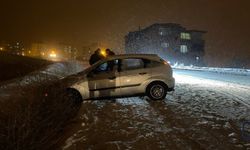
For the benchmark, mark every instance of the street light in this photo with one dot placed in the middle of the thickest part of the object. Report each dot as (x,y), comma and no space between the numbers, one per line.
(103,52)
(53,54)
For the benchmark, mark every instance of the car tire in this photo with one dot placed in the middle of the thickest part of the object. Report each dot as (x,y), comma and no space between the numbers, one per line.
(156,91)
(74,96)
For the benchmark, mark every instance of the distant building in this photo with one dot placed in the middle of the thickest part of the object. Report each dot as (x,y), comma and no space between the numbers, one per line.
(16,48)
(87,51)
(38,49)
(170,41)
(4,46)
(59,51)
(67,51)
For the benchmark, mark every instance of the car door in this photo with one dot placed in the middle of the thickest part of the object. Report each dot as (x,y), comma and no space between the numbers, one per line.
(132,74)
(103,81)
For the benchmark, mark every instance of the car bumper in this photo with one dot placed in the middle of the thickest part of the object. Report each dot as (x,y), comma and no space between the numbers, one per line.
(171,89)
(171,84)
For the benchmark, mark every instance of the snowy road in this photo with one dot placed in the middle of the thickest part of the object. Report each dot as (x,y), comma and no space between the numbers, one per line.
(205,112)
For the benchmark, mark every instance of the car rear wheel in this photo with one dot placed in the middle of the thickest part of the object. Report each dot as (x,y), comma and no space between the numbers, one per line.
(156,91)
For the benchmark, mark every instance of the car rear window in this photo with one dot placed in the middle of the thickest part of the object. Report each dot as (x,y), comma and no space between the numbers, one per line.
(132,64)
(151,63)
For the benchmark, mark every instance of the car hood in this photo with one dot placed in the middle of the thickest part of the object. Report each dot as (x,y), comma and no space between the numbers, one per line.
(75,78)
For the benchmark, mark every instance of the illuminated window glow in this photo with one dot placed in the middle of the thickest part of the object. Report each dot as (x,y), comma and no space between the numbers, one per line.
(184,49)
(185,36)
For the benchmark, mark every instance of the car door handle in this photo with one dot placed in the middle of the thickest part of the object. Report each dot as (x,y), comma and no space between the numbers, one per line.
(142,73)
(112,78)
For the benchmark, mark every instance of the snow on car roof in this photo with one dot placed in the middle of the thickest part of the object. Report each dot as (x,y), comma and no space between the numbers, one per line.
(122,56)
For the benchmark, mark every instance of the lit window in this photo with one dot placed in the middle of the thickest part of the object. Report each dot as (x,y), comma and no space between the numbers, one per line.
(165,44)
(185,36)
(184,49)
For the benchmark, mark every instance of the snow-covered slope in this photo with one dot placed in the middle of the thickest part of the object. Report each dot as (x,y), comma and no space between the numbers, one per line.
(50,73)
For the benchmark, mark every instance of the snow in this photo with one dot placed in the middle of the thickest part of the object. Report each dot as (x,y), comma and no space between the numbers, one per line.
(232,86)
(236,71)
(207,109)
(50,73)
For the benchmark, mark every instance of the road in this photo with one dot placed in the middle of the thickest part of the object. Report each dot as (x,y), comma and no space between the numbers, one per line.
(205,112)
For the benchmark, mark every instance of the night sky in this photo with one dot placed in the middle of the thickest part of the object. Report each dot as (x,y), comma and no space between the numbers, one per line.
(82,22)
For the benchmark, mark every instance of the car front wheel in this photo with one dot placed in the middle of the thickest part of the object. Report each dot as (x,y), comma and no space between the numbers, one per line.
(156,91)
(74,96)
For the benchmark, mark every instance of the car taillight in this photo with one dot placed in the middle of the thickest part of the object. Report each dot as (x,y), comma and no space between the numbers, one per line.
(165,62)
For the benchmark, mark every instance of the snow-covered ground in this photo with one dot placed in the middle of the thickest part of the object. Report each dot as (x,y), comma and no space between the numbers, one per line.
(205,112)
(228,84)
(53,72)
(235,71)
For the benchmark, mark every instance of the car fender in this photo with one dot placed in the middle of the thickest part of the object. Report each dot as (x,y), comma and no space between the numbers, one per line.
(82,88)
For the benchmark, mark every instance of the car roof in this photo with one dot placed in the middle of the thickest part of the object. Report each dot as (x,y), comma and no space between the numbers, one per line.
(124,56)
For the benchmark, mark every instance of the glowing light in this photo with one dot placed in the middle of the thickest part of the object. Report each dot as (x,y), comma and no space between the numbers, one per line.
(43,53)
(1,48)
(166,62)
(185,36)
(23,54)
(103,52)
(53,54)
(128,80)
(184,49)
(29,52)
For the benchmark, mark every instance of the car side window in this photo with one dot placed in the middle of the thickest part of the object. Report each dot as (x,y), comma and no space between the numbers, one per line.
(151,63)
(101,68)
(147,63)
(106,67)
(132,64)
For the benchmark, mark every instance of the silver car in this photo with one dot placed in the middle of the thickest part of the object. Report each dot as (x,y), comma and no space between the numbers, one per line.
(124,76)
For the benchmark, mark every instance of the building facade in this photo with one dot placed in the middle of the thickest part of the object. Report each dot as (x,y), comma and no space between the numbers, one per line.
(87,51)
(15,48)
(170,41)
(58,52)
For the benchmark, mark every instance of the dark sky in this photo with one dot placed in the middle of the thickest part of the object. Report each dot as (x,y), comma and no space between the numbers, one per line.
(107,21)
